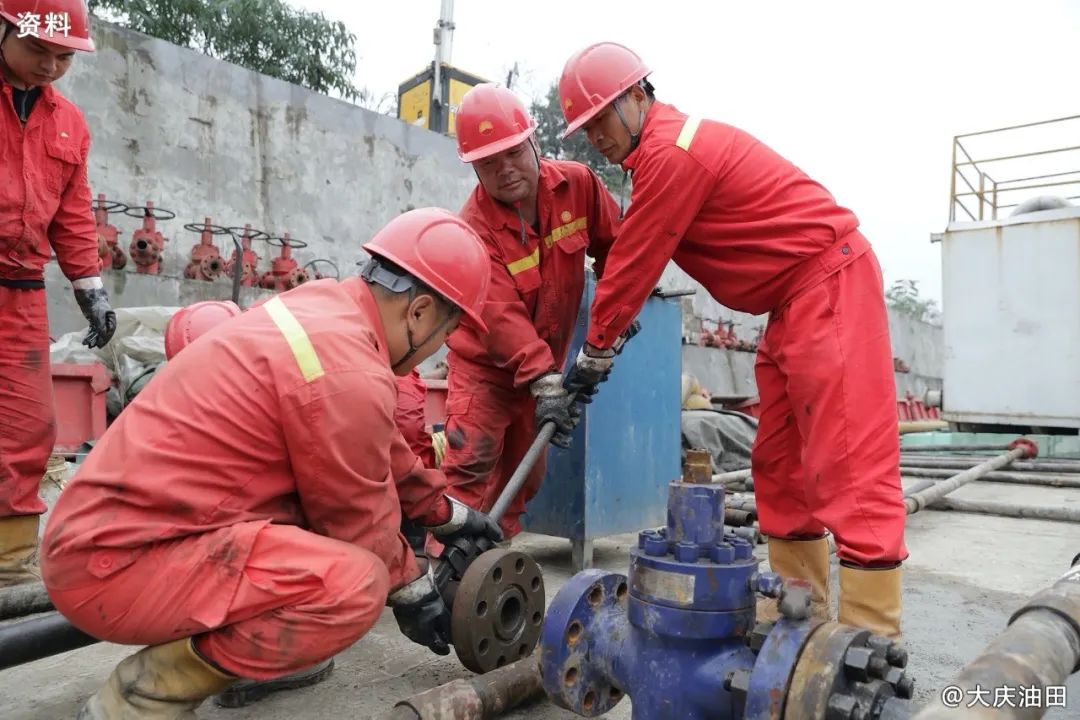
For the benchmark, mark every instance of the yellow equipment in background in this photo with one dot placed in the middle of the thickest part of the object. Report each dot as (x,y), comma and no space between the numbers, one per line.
(416,103)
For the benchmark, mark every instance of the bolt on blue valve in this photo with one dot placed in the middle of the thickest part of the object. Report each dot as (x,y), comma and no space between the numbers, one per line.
(769,584)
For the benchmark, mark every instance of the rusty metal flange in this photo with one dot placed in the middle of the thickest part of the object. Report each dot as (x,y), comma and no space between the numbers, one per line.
(498,610)
(846,673)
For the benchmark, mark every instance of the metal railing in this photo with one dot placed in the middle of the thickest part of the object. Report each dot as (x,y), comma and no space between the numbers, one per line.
(1013,172)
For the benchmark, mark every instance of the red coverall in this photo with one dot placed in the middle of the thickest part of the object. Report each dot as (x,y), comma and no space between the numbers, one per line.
(411,418)
(44,206)
(762,237)
(269,528)
(531,311)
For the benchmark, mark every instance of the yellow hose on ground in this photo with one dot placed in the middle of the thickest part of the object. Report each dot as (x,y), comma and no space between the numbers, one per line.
(438,442)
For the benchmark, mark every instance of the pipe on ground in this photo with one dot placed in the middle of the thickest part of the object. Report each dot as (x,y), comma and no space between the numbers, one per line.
(918,426)
(1040,648)
(917,501)
(1059,514)
(962,463)
(26,599)
(477,698)
(734,476)
(974,447)
(739,517)
(39,637)
(1016,478)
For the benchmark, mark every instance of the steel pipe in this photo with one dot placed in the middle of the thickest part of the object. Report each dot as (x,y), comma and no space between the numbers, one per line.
(1058,514)
(953,448)
(1039,649)
(26,599)
(736,475)
(476,698)
(739,518)
(917,501)
(39,637)
(960,463)
(1017,478)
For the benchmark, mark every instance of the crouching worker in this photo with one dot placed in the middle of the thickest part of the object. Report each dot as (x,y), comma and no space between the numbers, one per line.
(241,517)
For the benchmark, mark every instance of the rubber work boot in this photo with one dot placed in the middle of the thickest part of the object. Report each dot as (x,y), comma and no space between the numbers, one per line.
(160,682)
(871,599)
(803,560)
(246,692)
(18,550)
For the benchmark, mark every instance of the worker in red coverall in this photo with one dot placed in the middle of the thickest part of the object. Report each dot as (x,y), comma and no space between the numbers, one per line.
(44,207)
(244,523)
(762,237)
(190,323)
(538,219)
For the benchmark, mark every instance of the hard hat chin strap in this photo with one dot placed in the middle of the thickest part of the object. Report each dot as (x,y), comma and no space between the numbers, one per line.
(413,346)
(375,272)
(635,138)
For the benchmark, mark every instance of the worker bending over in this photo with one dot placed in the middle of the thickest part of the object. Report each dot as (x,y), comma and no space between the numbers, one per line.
(244,522)
(762,237)
(45,207)
(538,218)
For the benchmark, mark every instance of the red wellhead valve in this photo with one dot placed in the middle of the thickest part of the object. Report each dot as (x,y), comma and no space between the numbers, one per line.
(147,244)
(107,233)
(285,273)
(206,261)
(318,275)
(250,263)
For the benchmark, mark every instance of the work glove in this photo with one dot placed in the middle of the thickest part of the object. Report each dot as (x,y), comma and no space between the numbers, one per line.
(593,365)
(94,303)
(422,615)
(466,523)
(555,404)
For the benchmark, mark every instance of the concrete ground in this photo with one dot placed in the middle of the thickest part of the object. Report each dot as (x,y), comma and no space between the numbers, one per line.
(966,575)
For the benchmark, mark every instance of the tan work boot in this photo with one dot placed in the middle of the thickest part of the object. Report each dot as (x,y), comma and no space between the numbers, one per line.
(160,682)
(803,560)
(871,599)
(18,550)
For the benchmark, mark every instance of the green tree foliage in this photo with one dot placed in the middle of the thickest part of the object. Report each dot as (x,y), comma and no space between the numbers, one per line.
(266,36)
(550,125)
(904,297)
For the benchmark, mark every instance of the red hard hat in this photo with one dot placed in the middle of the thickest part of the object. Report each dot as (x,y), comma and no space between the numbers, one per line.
(490,119)
(442,251)
(77,15)
(593,78)
(192,321)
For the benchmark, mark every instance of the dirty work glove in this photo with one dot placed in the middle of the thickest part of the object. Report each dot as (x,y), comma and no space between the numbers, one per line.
(422,615)
(94,303)
(620,342)
(591,368)
(466,523)
(554,404)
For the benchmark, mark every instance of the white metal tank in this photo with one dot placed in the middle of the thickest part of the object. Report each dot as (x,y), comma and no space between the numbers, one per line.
(1011,296)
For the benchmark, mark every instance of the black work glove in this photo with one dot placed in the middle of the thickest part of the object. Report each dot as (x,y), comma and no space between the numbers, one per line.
(421,614)
(555,404)
(466,523)
(94,303)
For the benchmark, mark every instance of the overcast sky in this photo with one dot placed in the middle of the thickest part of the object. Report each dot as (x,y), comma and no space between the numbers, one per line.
(864,96)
